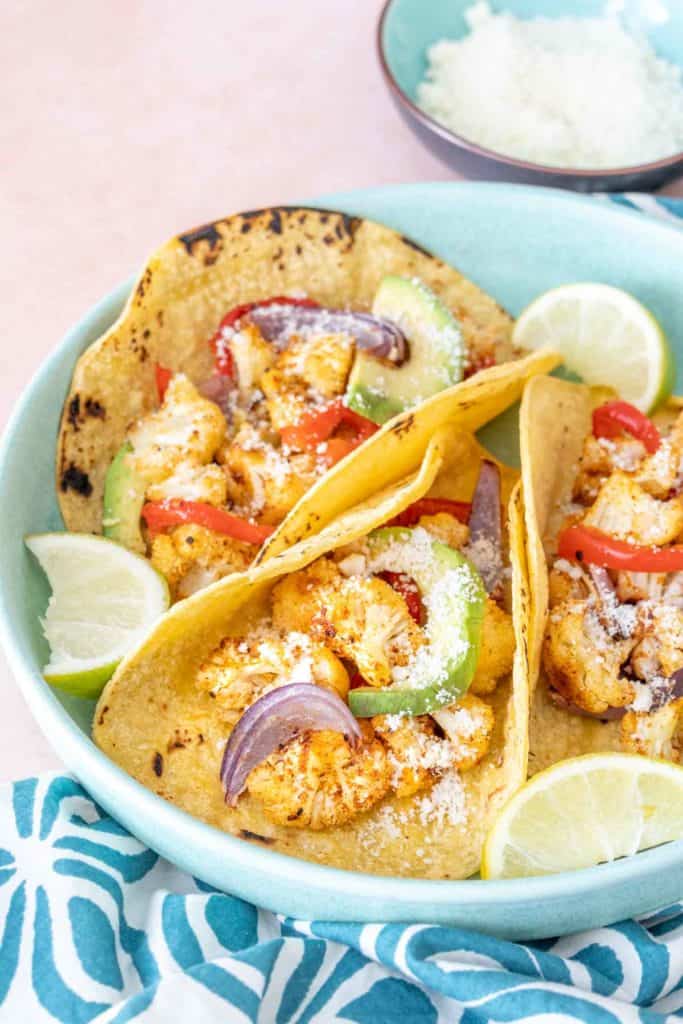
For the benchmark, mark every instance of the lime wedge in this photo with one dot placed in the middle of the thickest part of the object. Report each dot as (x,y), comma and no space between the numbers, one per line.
(605,336)
(104,600)
(585,811)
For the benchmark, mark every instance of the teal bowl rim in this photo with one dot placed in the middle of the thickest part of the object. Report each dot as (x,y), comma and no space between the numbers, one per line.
(75,747)
(461,142)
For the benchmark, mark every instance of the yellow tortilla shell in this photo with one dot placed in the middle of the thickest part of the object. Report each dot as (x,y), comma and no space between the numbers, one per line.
(155,725)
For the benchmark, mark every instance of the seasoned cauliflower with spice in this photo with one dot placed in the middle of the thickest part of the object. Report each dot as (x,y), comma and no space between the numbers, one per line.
(191,557)
(263,482)
(626,511)
(318,780)
(447,529)
(361,619)
(193,483)
(240,670)
(654,734)
(187,428)
(497,649)
(583,662)
(468,725)
(418,756)
(600,457)
(252,355)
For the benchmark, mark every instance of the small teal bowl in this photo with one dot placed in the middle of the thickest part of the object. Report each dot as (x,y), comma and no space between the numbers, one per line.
(406,30)
(515,242)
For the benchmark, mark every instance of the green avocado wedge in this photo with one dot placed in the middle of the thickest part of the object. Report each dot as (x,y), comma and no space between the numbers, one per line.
(455,600)
(437,352)
(124,495)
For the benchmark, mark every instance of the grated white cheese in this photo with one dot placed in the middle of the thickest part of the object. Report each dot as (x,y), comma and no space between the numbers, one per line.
(569,92)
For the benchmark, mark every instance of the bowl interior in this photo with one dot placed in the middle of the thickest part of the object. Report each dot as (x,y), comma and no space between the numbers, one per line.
(411,26)
(513,241)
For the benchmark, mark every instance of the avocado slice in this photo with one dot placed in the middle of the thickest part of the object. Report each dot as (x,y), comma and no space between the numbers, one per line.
(452,589)
(437,352)
(124,495)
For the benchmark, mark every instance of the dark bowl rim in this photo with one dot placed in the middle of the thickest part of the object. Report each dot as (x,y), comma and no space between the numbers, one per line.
(490,154)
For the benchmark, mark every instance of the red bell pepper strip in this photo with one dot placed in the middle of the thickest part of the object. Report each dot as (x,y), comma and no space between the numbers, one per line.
(586,544)
(163,379)
(613,418)
(431,507)
(409,591)
(159,515)
(224,362)
(317,426)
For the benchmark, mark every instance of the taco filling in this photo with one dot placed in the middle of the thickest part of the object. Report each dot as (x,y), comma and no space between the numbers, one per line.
(203,480)
(613,646)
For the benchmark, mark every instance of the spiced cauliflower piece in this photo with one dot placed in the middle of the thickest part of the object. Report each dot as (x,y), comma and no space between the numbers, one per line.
(263,481)
(656,733)
(566,580)
(308,372)
(252,355)
(240,670)
(582,661)
(659,651)
(447,529)
(186,429)
(625,511)
(362,620)
(599,459)
(661,472)
(192,483)
(191,557)
(326,363)
(468,725)
(319,780)
(418,756)
(497,649)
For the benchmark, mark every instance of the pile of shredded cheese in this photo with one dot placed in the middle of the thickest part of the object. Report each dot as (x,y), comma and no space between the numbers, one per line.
(568,92)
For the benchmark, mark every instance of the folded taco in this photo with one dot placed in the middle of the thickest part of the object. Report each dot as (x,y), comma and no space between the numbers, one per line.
(359,700)
(604,517)
(254,355)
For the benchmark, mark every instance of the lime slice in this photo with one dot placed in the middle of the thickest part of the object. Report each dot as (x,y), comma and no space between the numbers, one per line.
(104,600)
(585,811)
(605,336)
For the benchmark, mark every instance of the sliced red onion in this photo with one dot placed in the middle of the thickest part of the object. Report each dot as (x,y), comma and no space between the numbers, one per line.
(275,719)
(663,695)
(218,388)
(485,546)
(381,338)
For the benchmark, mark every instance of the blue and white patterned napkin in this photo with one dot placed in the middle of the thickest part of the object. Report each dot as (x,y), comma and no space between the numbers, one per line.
(96,927)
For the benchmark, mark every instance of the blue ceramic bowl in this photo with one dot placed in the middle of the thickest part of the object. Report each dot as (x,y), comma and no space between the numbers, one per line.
(515,242)
(406,30)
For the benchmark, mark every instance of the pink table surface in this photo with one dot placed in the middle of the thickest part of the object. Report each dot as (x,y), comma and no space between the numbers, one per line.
(126,122)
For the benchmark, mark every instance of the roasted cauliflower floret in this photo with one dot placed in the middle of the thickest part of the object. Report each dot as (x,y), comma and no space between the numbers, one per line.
(417,755)
(600,457)
(582,662)
(660,651)
(326,363)
(566,580)
(318,780)
(656,733)
(639,586)
(625,511)
(288,397)
(661,472)
(296,598)
(240,670)
(187,428)
(497,649)
(191,557)
(468,725)
(447,529)
(193,483)
(252,355)
(362,620)
(263,481)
